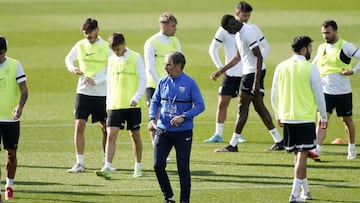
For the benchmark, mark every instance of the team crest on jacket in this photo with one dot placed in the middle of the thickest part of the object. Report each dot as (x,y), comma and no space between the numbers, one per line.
(181,89)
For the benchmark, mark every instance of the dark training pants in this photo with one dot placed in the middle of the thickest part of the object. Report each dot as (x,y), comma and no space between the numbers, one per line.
(163,144)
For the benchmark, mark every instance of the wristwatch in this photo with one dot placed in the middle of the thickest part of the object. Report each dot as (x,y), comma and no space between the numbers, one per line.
(183,116)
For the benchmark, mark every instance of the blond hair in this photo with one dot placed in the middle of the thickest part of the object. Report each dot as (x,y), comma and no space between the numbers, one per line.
(167,17)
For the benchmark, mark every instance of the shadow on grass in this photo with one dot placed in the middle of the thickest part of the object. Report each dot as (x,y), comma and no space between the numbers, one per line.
(55,200)
(42,183)
(62,195)
(336,201)
(37,183)
(213,177)
(231,164)
(42,166)
(87,170)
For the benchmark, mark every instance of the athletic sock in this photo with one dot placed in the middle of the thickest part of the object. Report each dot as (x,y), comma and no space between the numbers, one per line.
(219,128)
(305,185)
(351,146)
(137,165)
(296,187)
(107,165)
(317,150)
(9,183)
(275,135)
(80,159)
(234,139)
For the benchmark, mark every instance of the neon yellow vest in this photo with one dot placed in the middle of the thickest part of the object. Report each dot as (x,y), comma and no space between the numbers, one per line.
(296,101)
(9,93)
(329,63)
(92,58)
(122,82)
(161,51)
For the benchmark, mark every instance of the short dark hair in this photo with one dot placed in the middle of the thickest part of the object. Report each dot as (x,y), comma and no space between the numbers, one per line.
(225,20)
(330,23)
(177,58)
(90,24)
(116,39)
(3,43)
(300,42)
(244,7)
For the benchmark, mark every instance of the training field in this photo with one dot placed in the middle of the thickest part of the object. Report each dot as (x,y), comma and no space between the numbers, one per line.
(40,34)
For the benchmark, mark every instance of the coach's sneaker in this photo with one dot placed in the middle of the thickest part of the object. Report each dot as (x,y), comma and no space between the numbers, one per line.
(295,199)
(228,148)
(312,155)
(104,172)
(278,146)
(306,196)
(169,200)
(77,168)
(214,138)
(137,172)
(241,139)
(351,154)
(9,193)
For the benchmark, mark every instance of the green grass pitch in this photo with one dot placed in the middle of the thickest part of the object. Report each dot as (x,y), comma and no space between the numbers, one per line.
(41,32)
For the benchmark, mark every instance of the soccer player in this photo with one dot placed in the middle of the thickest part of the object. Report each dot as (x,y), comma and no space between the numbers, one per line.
(231,81)
(333,60)
(126,82)
(180,100)
(231,85)
(13,94)
(155,49)
(91,54)
(295,96)
(252,83)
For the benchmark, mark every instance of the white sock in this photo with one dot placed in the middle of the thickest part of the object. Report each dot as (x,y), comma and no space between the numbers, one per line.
(275,135)
(318,149)
(296,187)
(219,128)
(80,159)
(137,165)
(351,146)
(305,186)
(234,139)
(9,183)
(107,164)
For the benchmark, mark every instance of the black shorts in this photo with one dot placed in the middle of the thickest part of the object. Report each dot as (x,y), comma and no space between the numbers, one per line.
(299,136)
(248,81)
(94,105)
(149,93)
(117,118)
(9,134)
(230,86)
(342,104)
